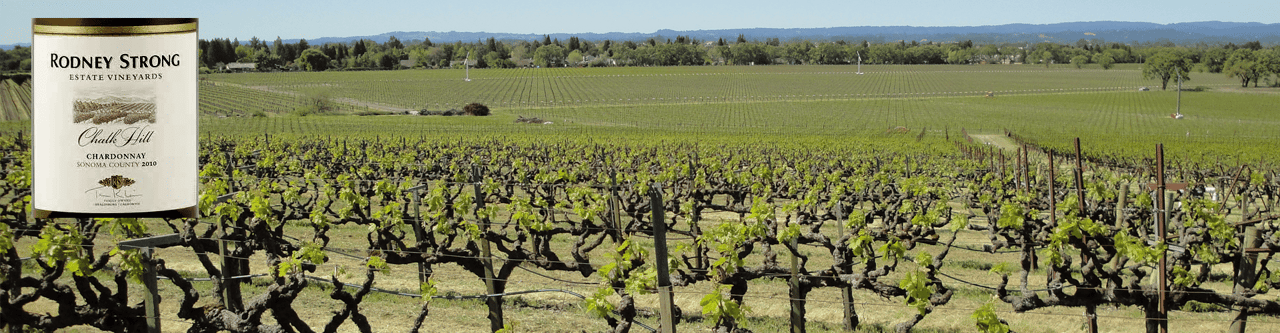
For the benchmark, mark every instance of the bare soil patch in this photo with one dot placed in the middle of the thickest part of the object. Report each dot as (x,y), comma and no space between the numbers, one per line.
(345,100)
(1250,90)
(1000,141)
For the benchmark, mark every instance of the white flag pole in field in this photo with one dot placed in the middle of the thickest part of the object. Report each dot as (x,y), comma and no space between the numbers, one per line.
(859,62)
(1178,115)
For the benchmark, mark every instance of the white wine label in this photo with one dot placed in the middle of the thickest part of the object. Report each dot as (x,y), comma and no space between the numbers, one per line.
(115,123)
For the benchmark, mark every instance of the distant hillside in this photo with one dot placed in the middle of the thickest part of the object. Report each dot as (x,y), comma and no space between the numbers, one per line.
(1111,31)
(10,46)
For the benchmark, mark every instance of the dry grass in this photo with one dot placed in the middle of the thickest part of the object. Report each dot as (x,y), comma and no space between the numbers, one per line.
(768,299)
(1250,90)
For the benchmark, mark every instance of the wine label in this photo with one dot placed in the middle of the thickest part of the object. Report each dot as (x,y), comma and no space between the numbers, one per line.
(115,121)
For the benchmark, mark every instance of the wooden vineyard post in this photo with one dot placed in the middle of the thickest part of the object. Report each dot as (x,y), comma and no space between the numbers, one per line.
(695,218)
(846,293)
(614,217)
(1245,275)
(991,159)
(1002,164)
(1121,200)
(1026,167)
(230,268)
(1019,172)
(1164,264)
(1162,217)
(1079,178)
(1053,214)
(666,316)
(419,233)
(151,297)
(494,302)
(906,167)
(231,171)
(231,299)
(797,295)
(1090,310)
(1040,167)
(1244,207)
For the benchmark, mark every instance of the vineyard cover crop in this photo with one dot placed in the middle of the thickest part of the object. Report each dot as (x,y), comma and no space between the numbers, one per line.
(1047,107)
(15,100)
(577,87)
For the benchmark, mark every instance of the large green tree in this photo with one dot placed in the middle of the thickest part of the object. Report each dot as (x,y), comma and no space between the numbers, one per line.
(268,61)
(1272,59)
(574,57)
(797,53)
(1045,57)
(749,54)
(989,51)
(387,60)
(1104,59)
(1079,60)
(1166,64)
(495,60)
(828,53)
(1214,59)
(1251,65)
(312,60)
(960,55)
(18,59)
(549,56)
(519,52)
(359,48)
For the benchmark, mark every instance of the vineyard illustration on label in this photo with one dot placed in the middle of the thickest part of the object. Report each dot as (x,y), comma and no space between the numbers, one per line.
(116,185)
(114,110)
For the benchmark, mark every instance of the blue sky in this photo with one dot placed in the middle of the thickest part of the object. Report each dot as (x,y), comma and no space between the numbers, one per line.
(327,18)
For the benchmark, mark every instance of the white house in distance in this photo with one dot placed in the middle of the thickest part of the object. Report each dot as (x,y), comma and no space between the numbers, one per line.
(240,66)
(458,63)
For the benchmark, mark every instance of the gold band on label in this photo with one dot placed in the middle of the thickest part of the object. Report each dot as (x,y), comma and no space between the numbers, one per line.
(116,30)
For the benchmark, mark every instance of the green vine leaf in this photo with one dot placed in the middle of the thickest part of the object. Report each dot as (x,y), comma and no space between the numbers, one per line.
(986,320)
(376,263)
(716,305)
(918,290)
(598,305)
(428,290)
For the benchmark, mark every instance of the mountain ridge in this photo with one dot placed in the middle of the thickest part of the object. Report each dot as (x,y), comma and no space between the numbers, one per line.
(1065,32)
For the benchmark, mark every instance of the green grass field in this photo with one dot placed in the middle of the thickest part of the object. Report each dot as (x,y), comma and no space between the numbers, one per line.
(579,87)
(1047,106)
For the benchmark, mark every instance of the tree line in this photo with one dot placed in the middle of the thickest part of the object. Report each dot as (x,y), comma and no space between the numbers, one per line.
(17,59)
(1249,62)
